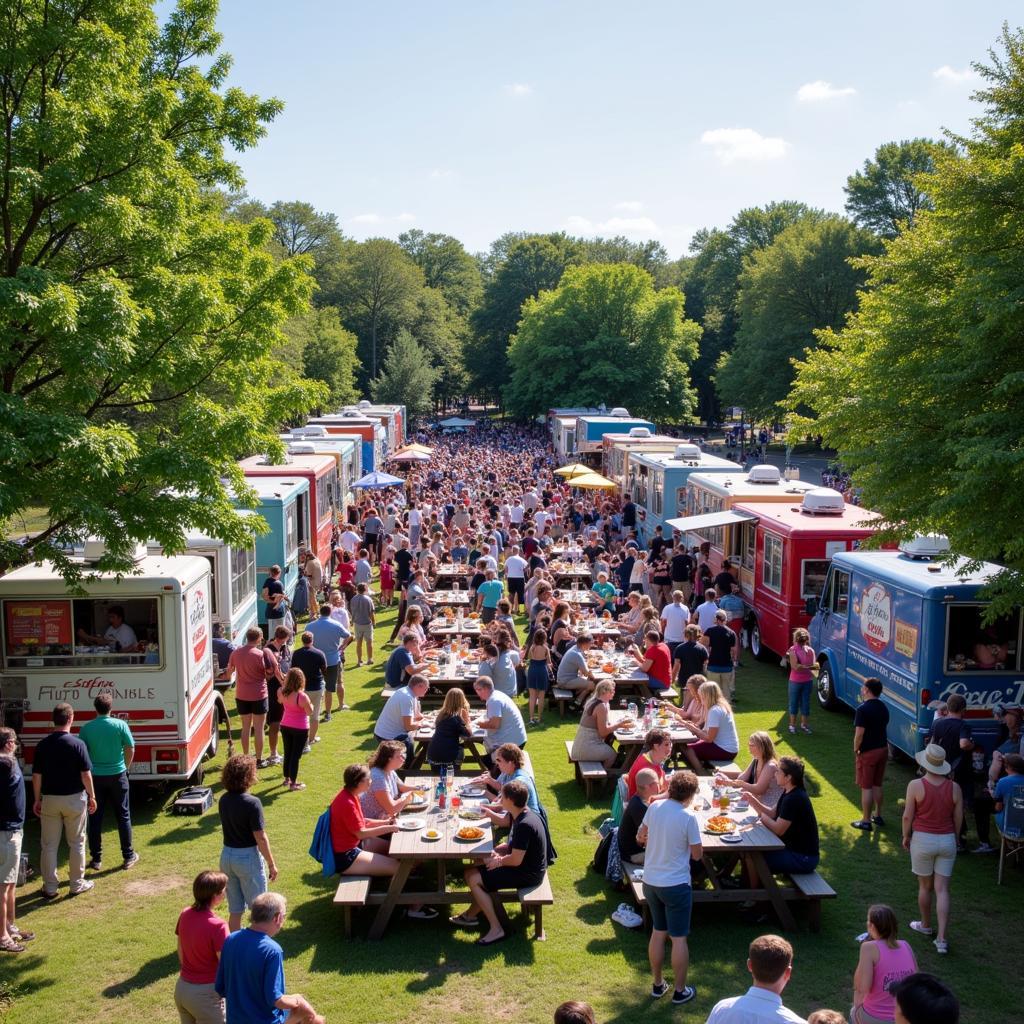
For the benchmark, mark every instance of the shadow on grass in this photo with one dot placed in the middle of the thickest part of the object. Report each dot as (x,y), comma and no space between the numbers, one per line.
(150,972)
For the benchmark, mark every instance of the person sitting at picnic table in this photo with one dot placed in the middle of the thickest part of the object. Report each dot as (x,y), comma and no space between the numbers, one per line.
(499,663)
(591,740)
(629,620)
(717,737)
(413,626)
(604,591)
(884,960)
(656,661)
(503,724)
(451,727)
(388,795)
(401,715)
(647,789)
(504,621)
(518,863)
(574,673)
(361,843)
(759,777)
(649,619)
(511,764)
(792,819)
(657,749)
(692,709)
(560,633)
(402,663)
(690,658)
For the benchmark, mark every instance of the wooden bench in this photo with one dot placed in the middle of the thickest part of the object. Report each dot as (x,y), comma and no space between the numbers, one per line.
(352,892)
(532,900)
(563,698)
(725,767)
(813,888)
(587,772)
(528,764)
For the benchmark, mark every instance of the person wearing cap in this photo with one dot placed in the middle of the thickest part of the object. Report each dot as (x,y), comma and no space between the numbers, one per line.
(932,817)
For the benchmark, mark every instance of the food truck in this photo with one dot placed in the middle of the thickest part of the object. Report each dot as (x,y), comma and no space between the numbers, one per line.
(143,637)
(781,553)
(372,433)
(284,504)
(915,620)
(657,481)
(392,418)
(710,497)
(562,423)
(591,428)
(347,449)
(321,473)
(616,450)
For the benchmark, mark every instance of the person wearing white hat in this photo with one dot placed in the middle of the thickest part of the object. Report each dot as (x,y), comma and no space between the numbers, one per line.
(931,822)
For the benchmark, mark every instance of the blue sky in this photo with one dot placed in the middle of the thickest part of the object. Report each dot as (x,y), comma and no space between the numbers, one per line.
(649,119)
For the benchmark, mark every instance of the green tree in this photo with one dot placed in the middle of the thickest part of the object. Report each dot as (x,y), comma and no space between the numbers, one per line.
(443,335)
(604,331)
(650,255)
(521,269)
(322,350)
(446,266)
(801,283)
(407,377)
(922,391)
(133,318)
(886,195)
(378,292)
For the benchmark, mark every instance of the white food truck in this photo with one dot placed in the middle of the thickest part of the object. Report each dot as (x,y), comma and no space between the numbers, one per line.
(145,638)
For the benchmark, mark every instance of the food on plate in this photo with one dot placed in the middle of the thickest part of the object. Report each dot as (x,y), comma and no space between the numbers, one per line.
(720,824)
(470,832)
(472,814)
(432,833)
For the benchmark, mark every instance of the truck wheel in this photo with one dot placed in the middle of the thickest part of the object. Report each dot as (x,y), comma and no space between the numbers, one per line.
(826,688)
(220,717)
(196,778)
(757,648)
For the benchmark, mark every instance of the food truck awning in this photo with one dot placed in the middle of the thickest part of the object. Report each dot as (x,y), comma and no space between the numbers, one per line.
(710,520)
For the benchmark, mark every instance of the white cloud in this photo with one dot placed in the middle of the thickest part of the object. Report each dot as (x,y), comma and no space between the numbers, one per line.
(731,145)
(613,226)
(366,218)
(951,76)
(630,206)
(518,90)
(406,218)
(819,91)
(577,223)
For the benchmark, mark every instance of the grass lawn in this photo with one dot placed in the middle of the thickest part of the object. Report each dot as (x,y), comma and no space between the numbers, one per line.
(110,955)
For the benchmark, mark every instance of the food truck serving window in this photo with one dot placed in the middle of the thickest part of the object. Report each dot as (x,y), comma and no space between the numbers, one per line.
(972,646)
(771,573)
(243,575)
(325,488)
(812,576)
(84,633)
(657,492)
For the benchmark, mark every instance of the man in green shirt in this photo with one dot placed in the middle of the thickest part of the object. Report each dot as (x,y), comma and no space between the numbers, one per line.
(111,748)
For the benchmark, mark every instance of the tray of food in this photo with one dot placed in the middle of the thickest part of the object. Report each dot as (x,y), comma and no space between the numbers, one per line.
(470,834)
(719,825)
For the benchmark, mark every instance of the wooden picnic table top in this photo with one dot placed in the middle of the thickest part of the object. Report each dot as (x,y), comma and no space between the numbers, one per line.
(579,598)
(455,598)
(453,569)
(635,737)
(469,627)
(413,846)
(754,837)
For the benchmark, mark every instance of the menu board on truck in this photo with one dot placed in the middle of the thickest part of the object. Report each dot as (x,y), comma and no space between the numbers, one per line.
(37,624)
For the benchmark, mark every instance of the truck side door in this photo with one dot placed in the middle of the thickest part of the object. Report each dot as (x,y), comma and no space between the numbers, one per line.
(833,620)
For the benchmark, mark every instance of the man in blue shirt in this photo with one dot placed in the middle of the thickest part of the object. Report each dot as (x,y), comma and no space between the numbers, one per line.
(402,664)
(250,975)
(331,637)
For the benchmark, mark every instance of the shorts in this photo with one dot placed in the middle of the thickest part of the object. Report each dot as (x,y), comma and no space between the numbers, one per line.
(487,615)
(495,879)
(247,876)
(517,587)
(198,1003)
(932,854)
(363,632)
(331,674)
(316,698)
(871,767)
(343,861)
(670,907)
(10,856)
(253,707)
(800,699)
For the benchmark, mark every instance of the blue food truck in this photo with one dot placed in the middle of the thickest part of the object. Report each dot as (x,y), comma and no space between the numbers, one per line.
(914,620)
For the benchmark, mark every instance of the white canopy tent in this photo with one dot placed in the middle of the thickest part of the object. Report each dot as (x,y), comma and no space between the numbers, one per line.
(456,423)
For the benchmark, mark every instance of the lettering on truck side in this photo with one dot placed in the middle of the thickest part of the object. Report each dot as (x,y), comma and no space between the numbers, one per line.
(87,689)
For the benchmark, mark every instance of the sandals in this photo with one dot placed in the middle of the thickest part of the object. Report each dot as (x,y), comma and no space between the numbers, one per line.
(11,947)
(461,921)
(296,786)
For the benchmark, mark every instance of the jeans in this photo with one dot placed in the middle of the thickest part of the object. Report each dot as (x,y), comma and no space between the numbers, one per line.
(402,738)
(800,699)
(67,814)
(111,791)
(789,862)
(247,875)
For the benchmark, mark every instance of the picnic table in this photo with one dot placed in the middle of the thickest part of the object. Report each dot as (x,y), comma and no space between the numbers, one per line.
(474,747)
(453,598)
(569,572)
(453,571)
(577,598)
(629,743)
(451,628)
(627,675)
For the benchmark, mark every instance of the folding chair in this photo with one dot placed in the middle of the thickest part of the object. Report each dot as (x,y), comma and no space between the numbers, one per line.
(1011,835)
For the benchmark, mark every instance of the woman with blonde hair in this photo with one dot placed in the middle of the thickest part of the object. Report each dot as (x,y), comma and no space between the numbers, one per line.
(413,624)
(717,738)
(590,742)
(451,728)
(294,725)
(758,778)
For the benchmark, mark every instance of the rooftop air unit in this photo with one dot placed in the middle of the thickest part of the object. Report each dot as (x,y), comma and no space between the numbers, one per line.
(639,432)
(620,413)
(822,501)
(95,548)
(764,474)
(364,404)
(302,448)
(926,546)
(688,453)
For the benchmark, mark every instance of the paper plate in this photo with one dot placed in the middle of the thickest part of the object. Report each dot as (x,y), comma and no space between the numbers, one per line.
(472,791)
(411,824)
(731,837)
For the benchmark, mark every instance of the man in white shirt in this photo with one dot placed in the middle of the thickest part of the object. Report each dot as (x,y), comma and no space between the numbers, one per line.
(515,578)
(670,834)
(540,522)
(516,515)
(770,963)
(487,558)
(118,633)
(707,611)
(401,715)
(674,619)
(350,540)
(415,521)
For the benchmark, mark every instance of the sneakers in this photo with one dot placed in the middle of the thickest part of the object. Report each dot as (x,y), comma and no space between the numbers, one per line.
(327,716)
(941,946)
(423,914)
(685,995)
(657,991)
(94,865)
(131,861)
(316,739)
(792,729)
(984,848)
(864,826)
(878,821)
(263,762)
(306,749)
(625,915)
(276,759)
(49,895)
(917,926)
(806,729)
(84,887)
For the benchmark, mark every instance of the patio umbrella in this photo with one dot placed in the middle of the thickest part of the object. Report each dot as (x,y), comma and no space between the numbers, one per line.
(407,456)
(376,481)
(573,469)
(591,481)
(414,447)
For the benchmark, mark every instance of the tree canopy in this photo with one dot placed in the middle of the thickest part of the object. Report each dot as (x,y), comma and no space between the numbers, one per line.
(133,317)
(407,377)
(604,332)
(922,391)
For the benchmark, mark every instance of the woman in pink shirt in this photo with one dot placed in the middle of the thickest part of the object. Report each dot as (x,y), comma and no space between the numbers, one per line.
(294,725)
(884,960)
(201,934)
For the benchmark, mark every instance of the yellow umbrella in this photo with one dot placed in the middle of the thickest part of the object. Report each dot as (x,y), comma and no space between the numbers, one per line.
(573,469)
(591,481)
(421,448)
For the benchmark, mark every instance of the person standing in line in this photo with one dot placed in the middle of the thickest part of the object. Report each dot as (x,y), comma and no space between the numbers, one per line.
(364,619)
(281,648)
(722,644)
(871,752)
(12,832)
(932,817)
(294,725)
(515,578)
(201,936)
(222,651)
(331,637)
(954,735)
(252,666)
(111,748)
(62,788)
(705,612)
(770,962)
(801,658)
(675,617)
(670,835)
(313,664)
(250,975)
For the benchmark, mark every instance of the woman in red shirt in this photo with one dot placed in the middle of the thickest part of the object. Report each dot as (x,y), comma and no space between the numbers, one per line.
(201,934)
(656,661)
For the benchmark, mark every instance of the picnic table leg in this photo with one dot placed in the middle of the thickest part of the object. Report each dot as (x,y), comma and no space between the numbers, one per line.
(385,910)
(773,892)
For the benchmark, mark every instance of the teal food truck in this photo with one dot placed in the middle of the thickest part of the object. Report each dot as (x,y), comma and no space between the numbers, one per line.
(914,620)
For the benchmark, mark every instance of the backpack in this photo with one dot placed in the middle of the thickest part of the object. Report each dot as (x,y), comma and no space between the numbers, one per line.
(600,861)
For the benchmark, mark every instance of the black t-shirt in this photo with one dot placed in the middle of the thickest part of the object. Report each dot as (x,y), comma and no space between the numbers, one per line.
(802,834)
(872,716)
(528,834)
(629,514)
(692,658)
(444,747)
(403,564)
(632,819)
(478,578)
(656,544)
(948,732)
(60,759)
(660,572)
(273,587)
(682,568)
(537,562)
(591,551)
(12,795)
(312,661)
(241,814)
(721,641)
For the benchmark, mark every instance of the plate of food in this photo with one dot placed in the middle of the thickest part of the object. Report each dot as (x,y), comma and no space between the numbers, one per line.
(472,814)
(431,835)
(471,792)
(411,824)
(470,834)
(719,825)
